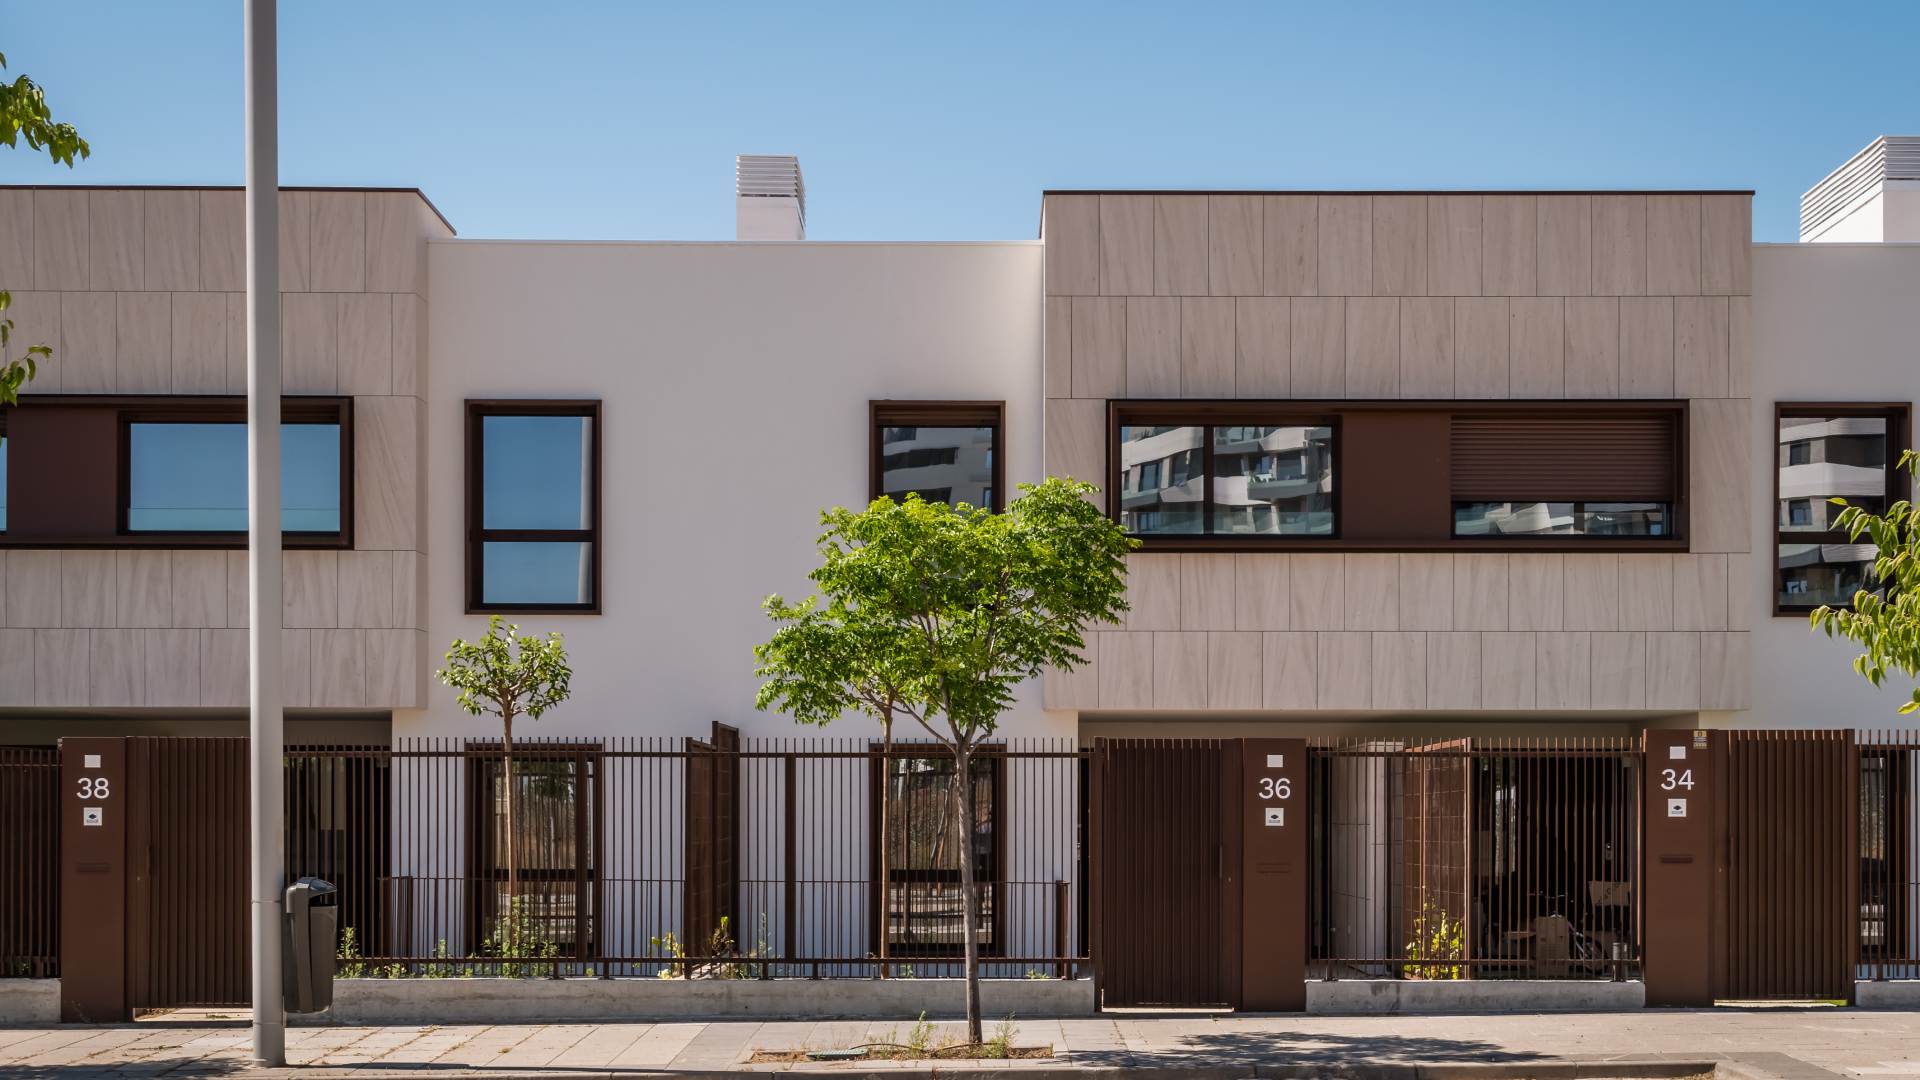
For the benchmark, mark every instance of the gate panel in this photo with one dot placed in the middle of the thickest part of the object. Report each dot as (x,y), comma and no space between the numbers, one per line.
(1161,864)
(187,856)
(29,862)
(1792,865)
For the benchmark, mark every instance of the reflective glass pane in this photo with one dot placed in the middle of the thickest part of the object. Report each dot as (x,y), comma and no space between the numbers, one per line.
(1827,457)
(1513,519)
(1162,489)
(536,572)
(1272,481)
(538,472)
(1562,519)
(1809,575)
(193,478)
(940,464)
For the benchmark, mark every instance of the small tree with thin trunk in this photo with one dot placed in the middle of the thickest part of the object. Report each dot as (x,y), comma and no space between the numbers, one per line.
(508,675)
(1885,620)
(965,605)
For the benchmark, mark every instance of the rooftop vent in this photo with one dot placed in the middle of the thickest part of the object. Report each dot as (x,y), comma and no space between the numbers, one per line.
(770,199)
(1841,207)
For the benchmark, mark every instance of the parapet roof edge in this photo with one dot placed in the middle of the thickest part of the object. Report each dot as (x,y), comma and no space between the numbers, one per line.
(237,187)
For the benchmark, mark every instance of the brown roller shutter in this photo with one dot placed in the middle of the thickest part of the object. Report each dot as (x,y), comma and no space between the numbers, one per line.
(1620,457)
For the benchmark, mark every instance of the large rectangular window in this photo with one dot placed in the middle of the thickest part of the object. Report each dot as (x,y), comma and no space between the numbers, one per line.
(1824,452)
(919,903)
(190,476)
(942,451)
(533,506)
(1260,476)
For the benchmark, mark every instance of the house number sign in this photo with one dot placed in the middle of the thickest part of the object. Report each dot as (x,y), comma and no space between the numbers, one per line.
(93,789)
(1270,789)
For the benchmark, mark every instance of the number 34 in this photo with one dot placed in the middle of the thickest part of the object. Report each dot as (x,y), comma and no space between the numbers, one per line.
(1276,787)
(1670,780)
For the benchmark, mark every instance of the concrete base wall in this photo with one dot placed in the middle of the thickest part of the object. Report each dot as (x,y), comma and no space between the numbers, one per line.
(461,1001)
(29,1002)
(1887,994)
(1473,996)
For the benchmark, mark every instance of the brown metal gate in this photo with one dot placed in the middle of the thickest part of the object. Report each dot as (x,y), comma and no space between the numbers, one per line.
(711,893)
(1166,848)
(1790,881)
(186,872)
(29,862)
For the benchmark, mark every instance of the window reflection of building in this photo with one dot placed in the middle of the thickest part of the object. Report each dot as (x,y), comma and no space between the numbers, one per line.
(1820,458)
(1266,480)
(940,464)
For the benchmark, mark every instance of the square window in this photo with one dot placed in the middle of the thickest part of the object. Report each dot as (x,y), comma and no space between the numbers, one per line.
(942,451)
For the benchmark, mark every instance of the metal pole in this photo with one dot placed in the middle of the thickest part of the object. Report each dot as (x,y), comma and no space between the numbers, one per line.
(263,525)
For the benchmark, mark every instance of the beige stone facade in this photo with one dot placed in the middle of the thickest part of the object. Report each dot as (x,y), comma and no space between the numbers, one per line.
(141,291)
(1413,296)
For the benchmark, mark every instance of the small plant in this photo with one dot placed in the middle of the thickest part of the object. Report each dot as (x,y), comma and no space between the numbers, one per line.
(518,941)
(1436,936)
(720,943)
(1037,973)
(349,965)
(920,1039)
(1001,1045)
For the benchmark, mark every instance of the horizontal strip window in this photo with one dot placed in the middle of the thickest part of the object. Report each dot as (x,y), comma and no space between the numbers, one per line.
(1822,452)
(1398,475)
(942,451)
(533,506)
(169,472)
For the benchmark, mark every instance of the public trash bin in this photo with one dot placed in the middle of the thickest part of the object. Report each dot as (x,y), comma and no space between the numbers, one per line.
(309,925)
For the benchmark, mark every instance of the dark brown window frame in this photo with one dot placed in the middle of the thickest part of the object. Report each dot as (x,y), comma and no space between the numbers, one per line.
(129,409)
(888,412)
(476,536)
(589,827)
(994,877)
(1335,412)
(1899,417)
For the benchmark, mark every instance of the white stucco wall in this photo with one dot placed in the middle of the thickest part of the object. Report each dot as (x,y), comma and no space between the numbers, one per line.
(1832,322)
(734,380)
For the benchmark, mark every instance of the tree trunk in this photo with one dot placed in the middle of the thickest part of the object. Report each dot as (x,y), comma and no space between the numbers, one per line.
(886,827)
(513,855)
(969,900)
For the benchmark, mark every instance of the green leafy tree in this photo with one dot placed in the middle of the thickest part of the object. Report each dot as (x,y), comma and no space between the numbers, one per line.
(961,606)
(1885,622)
(834,657)
(24,116)
(508,675)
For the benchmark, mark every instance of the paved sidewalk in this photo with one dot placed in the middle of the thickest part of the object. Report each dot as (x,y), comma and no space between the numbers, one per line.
(1797,1044)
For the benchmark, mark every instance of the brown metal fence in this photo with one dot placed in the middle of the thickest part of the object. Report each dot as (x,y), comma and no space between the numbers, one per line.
(724,858)
(1889,855)
(1482,858)
(29,862)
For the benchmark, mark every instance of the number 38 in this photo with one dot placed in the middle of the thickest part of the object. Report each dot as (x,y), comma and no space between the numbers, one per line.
(1276,787)
(93,787)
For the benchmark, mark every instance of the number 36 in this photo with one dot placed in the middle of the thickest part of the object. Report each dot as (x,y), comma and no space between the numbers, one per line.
(1272,787)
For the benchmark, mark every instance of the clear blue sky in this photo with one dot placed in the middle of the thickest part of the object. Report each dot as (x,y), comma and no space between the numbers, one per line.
(563,119)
